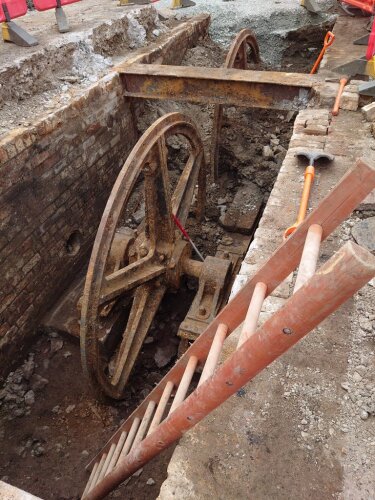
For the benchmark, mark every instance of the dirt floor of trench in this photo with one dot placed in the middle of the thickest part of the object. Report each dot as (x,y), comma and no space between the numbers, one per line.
(50,424)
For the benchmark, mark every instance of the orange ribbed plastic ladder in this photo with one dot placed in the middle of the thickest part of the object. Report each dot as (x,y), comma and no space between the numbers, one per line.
(152,427)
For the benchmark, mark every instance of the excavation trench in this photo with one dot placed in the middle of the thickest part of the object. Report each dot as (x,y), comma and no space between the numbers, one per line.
(51,424)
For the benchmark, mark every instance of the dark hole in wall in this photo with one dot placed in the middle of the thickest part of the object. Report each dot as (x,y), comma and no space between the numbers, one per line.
(73,243)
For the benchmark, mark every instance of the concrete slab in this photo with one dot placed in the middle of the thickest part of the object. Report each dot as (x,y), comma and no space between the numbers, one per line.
(9,492)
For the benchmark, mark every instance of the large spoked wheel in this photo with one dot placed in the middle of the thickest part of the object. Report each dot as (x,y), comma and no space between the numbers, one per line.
(131,265)
(244,48)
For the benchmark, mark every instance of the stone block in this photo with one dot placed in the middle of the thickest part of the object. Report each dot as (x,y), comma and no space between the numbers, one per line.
(349,101)
(368,203)
(242,218)
(327,94)
(313,128)
(364,233)
(369,111)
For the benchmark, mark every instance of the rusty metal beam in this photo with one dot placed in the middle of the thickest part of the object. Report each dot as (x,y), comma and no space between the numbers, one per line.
(260,89)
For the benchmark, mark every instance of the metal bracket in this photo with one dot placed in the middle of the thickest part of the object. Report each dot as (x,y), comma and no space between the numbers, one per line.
(13,33)
(62,21)
(347,9)
(182,4)
(367,88)
(355,67)
(363,40)
(358,67)
(213,281)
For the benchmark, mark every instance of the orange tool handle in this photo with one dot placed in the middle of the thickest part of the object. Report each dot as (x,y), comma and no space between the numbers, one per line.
(309,177)
(328,41)
(336,107)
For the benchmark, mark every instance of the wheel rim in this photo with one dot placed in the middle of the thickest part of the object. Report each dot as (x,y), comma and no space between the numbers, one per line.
(145,278)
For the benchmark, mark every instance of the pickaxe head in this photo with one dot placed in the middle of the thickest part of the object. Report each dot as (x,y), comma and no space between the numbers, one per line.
(313,156)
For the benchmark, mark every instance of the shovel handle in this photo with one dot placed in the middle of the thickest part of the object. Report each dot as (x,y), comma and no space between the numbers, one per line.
(336,107)
(328,41)
(309,177)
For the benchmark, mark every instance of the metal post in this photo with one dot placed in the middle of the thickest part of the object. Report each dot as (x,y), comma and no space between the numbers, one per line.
(344,274)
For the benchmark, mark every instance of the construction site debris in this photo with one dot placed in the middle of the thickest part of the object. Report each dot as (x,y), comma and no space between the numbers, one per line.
(368,203)
(369,111)
(364,233)
(244,210)
(17,394)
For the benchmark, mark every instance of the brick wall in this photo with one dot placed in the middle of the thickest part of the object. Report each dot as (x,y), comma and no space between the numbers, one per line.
(55,179)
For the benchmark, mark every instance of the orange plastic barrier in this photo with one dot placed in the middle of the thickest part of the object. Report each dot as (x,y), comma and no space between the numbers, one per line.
(15,8)
(51,4)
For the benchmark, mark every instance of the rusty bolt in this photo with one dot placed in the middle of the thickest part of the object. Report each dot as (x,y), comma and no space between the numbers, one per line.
(226,255)
(202,311)
(287,331)
(143,251)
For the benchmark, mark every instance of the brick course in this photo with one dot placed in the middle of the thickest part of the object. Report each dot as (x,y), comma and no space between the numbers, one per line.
(55,180)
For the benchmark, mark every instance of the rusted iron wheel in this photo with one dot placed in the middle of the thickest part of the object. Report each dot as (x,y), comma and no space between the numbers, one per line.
(244,48)
(131,268)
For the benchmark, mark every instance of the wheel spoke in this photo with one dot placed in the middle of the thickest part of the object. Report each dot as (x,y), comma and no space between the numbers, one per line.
(236,58)
(241,57)
(146,301)
(158,197)
(146,251)
(129,277)
(184,192)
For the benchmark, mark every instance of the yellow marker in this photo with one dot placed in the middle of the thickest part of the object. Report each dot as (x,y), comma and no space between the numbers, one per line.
(370,67)
(5,32)
(177,4)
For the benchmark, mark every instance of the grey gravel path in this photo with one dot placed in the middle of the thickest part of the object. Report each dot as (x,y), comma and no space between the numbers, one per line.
(271,20)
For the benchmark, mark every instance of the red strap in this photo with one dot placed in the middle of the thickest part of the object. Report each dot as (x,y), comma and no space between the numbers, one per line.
(181,227)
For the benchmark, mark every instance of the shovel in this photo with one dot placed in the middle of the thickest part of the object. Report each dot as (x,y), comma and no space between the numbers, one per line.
(312,157)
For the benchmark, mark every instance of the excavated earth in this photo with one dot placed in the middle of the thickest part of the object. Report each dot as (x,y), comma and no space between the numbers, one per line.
(50,423)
